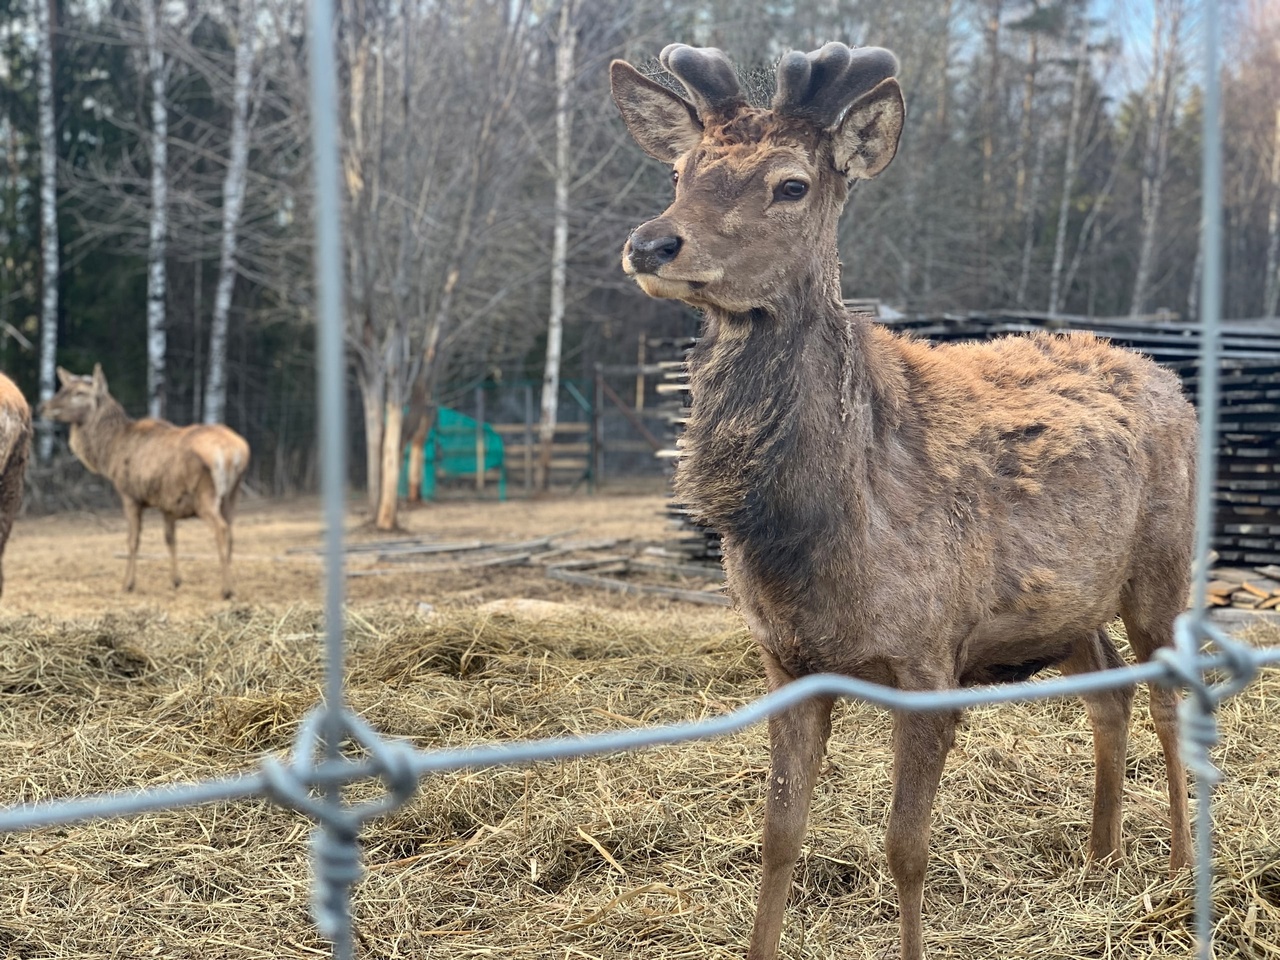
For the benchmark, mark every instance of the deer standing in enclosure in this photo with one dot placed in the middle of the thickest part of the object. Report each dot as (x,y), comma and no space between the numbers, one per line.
(15,449)
(918,516)
(181,471)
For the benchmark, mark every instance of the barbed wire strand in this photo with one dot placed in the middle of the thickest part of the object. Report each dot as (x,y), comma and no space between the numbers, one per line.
(313,779)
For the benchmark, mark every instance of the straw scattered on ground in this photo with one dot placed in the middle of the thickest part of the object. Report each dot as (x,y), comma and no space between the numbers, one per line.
(654,854)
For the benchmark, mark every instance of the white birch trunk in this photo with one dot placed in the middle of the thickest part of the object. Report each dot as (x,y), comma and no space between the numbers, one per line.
(1271,294)
(392,453)
(373,394)
(233,191)
(48,218)
(156,345)
(1156,155)
(559,244)
(1029,224)
(1024,126)
(1068,180)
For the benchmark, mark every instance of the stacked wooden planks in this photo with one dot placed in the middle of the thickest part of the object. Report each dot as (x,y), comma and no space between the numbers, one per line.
(1247,589)
(692,541)
(1247,484)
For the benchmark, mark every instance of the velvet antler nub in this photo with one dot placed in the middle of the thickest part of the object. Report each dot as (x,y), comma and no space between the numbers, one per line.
(821,85)
(707,75)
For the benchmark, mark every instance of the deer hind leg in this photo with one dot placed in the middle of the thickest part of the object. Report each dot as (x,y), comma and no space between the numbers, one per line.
(1109,713)
(132,514)
(171,541)
(222,534)
(921,742)
(797,742)
(1164,715)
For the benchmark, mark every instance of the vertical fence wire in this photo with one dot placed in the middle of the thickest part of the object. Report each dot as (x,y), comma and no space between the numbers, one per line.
(1206,467)
(334,914)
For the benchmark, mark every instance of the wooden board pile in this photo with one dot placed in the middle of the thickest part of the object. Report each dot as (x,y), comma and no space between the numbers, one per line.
(1247,485)
(609,563)
(1255,589)
(692,542)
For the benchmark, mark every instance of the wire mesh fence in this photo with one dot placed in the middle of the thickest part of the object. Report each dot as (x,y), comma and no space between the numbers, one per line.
(335,749)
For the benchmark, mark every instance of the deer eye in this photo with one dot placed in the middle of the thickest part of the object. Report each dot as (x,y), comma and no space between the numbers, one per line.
(790,190)
(675,177)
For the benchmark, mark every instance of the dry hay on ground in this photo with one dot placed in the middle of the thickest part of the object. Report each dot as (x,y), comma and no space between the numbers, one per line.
(655,852)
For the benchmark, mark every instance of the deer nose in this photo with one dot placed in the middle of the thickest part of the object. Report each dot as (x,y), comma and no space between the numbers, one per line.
(650,249)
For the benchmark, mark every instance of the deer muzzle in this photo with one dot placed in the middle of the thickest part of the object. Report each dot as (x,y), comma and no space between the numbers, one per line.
(650,247)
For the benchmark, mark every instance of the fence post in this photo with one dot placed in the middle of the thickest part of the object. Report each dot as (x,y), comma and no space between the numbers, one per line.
(528,440)
(597,429)
(640,374)
(479,439)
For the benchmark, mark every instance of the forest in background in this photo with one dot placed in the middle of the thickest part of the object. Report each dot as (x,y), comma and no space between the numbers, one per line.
(155,188)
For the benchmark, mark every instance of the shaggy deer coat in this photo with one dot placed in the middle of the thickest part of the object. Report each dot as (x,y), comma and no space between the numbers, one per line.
(181,471)
(15,449)
(920,516)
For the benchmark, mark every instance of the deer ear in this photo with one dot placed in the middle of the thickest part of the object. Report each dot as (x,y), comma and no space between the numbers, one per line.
(663,123)
(867,138)
(99,379)
(64,376)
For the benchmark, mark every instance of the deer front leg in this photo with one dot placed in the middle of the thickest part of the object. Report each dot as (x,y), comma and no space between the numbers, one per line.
(171,541)
(920,745)
(1109,712)
(797,741)
(132,514)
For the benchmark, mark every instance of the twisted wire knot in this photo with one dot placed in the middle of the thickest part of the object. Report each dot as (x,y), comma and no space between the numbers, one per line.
(1197,714)
(335,846)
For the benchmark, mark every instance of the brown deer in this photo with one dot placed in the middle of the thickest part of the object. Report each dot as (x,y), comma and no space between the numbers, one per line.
(15,448)
(918,516)
(180,471)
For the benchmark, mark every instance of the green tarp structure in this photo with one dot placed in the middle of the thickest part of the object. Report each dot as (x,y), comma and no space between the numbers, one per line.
(450,449)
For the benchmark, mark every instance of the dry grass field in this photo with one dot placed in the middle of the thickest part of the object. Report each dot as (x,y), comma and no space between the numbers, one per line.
(654,854)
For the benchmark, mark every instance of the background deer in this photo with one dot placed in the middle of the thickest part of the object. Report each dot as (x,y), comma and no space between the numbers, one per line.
(180,471)
(924,517)
(15,448)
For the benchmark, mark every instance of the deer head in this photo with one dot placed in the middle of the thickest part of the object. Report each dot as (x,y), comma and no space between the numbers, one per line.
(77,397)
(758,191)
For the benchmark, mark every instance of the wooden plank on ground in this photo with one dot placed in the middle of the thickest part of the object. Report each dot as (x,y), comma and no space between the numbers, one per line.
(574,573)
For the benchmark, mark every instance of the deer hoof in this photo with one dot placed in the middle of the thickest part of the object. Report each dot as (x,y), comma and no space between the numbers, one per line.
(177,582)
(128,588)
(227,593)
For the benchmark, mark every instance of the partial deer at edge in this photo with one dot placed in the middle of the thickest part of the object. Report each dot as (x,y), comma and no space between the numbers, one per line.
(923,517)
(15,450)
(181,471)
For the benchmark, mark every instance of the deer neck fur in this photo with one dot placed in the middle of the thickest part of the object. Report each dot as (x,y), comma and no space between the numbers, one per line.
(98,438)
(789,403)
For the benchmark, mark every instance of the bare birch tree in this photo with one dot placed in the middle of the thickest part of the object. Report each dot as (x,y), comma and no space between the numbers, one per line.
(559,241)
(45,26)
(158,232)
(396,356)
(1069,166)
(1162,96)
(233,191)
